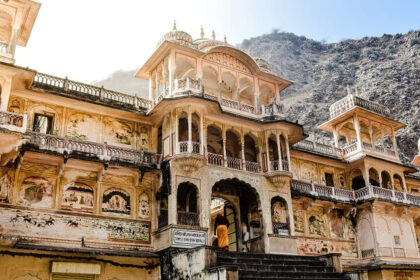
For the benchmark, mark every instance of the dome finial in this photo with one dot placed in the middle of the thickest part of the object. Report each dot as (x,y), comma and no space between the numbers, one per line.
(202,32)
(174,27)
(225,39)
(213,35)
(349,90)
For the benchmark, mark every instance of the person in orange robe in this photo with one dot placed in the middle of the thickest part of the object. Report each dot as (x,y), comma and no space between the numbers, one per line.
(221,229)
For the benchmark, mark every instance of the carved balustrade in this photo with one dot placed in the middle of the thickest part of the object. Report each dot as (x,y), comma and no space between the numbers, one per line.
(187,86)
(215,159)
(66,86)
(13,122)
(252,166)
(351,101)
(369,192)
(196,147)
(188,218)
(369,253)
(183,146)
(102,151)
(235,163)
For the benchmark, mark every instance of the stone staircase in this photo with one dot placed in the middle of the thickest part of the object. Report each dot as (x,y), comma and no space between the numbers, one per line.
(278,267)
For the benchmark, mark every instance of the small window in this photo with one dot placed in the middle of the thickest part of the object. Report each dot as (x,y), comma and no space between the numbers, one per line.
(43,123)
(329,179)
(397,240)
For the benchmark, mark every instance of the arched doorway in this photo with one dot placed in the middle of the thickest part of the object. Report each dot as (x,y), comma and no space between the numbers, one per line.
(240,203)
(187,205)
(357,180)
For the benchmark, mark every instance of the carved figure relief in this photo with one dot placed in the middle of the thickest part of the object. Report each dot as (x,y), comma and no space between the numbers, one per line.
(298,218)
(308,171)
(316,225)
(144,206)
(77,197)
(279,214)
(36,192)
(5,186)
(116,202)
(336,223)
(82,127)
(117,132)
(144,137)
(309,246)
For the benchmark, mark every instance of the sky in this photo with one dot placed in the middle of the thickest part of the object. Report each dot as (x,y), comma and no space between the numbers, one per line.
(89,40)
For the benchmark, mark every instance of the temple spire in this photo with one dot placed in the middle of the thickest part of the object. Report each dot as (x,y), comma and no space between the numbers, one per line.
(225,39)
(202,32)
(213,35)
(174,27)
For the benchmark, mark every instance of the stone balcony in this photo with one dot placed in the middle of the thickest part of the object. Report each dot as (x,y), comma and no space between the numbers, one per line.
(351,101)
(13,122)
(103,152)
(85,92)
(5,55)
(349,196)
(347,152)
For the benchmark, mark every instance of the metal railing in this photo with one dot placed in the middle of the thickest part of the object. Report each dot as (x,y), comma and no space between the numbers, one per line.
(188,218)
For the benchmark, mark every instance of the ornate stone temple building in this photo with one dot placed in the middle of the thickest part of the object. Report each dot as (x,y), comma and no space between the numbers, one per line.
(98,184)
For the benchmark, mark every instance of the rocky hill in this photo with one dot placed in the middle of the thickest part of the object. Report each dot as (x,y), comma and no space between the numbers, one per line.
(384,69)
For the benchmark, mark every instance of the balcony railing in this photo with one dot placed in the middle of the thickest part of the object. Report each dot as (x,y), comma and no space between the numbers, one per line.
(102,151)
(366,193)
(235,163)
(345,151)
(195,147)
(188,218)
(252,166)
(13,122)
(369,253)
(351,101)
(183,146)
(280,228)
(69,87)
(215,159)
(187,85)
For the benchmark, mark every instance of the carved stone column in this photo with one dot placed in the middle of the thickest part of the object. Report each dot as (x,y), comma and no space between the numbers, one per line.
(280,161)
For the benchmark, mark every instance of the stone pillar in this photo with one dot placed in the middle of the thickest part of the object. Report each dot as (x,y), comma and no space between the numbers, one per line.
(224,145)
(5,94)
(219,84)
(202,134)
(358,135)
(280,163)
(335,133)
(176,133)
(151,88)
(13,40)
(172,209)
(156,84)
(288,152)
(371,135)
(243,151)
(394,143)
(189,130)
(268,152)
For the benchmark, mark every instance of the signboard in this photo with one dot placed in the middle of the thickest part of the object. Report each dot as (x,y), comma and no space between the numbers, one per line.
(188,238)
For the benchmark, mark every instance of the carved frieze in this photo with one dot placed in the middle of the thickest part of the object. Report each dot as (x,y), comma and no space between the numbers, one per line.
(227,60)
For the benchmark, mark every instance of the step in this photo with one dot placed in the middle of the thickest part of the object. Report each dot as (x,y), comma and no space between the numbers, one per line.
(280,268)
(232,260)
(297,274)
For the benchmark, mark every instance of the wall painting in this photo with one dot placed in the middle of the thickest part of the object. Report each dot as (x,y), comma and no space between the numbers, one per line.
(77,197)
(36,192)
(316,225)
(144,206)
(116,202)
(82,127)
